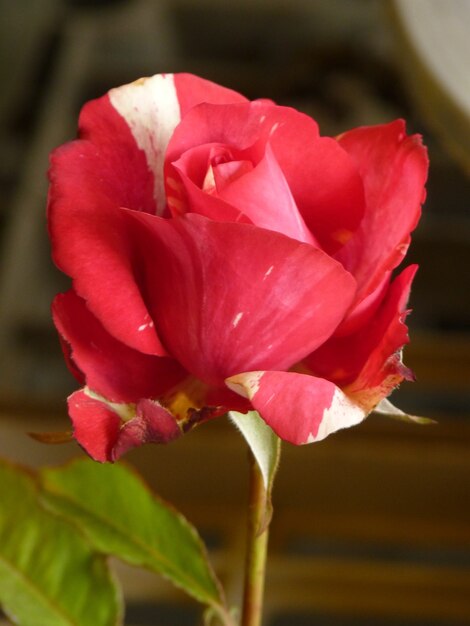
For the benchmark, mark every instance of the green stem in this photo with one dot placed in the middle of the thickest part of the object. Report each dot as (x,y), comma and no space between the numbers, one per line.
(256,549)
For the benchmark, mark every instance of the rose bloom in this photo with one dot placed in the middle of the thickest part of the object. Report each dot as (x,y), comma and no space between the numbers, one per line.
(225,256)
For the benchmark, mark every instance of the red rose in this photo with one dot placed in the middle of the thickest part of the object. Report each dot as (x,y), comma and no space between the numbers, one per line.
(224,256)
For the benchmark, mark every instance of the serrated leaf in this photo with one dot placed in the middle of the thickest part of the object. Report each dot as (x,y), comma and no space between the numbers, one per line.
(385,407)
(265,446)
(122,517)
(49,575)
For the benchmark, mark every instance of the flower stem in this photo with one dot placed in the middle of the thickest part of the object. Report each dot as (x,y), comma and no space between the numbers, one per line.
(256,549)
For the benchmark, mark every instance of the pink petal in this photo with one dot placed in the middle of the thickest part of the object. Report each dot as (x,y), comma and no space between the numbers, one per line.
(239,126)
(106,437)
(322,178)
(231,297)
(299,408)
(325,184)
(239,191)
(394,170)
(191,90)
(111,368)
(369,358)
(185,183)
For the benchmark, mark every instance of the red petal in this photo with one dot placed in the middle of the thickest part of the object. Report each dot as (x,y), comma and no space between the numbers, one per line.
(394,169)
(118,161)
(152,424)
(105,437)
(96,426)
(368,359)
(233,297)
(89,180)
(325,184)
(299,408)
(111,368)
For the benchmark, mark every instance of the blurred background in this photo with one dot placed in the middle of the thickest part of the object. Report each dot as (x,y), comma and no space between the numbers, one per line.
(372,526)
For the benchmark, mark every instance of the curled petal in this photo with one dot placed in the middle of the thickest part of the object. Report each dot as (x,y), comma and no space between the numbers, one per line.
(321,177)
(393,167)
(299,408)
(105,436)
(250,297)
(367,364)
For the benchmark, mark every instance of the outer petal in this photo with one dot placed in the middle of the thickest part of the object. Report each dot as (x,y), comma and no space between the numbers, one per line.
(299,408)
(233,297)
(118,161)
(111,368)
(96,426)
(90,178)
(369,358)
(323,179)
(100,430)
(394,170)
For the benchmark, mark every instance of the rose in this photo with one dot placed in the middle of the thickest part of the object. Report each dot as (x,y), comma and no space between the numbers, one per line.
(224,256)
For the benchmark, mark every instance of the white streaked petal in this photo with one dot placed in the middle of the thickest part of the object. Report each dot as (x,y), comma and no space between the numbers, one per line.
(151,109)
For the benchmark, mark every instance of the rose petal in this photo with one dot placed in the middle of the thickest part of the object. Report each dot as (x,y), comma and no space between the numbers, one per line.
(111,368)
(368,359)
(90,178)
(96,426)
(153,107)
(231,297)
(101,432)
(118,161)
(259,195)
(299,408)
(323,179)
(394,170)
(152,424)
(185,181)
(191,90)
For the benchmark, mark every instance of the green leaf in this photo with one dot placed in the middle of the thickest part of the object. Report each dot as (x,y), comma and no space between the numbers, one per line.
(263,441)
(121,517)
(265,446)
(49,575)
(385,407)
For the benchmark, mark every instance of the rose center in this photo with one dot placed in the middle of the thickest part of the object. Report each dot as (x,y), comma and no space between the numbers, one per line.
(223,169)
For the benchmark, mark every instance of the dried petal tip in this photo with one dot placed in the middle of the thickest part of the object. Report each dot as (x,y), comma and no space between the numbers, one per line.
(53,437)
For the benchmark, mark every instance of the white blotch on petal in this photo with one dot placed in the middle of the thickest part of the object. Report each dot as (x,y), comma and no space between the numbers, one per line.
(151,109)
(342,413)
(236,319)
(270,269)
(246,385)
(273,129)
(126,411)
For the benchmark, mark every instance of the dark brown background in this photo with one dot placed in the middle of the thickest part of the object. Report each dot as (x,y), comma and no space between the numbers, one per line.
(372,527)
